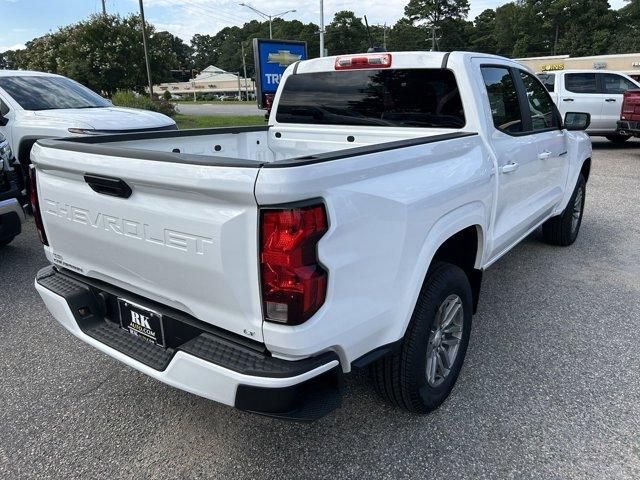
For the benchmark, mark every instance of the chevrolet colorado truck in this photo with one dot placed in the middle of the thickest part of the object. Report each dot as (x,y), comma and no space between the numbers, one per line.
(255,266)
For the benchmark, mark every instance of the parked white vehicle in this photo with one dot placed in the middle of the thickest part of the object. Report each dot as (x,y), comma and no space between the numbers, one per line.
(597,92)
(11,213)
(36,105)
(254,266)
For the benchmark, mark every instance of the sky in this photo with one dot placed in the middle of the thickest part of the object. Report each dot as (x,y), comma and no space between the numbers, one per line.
(23,20)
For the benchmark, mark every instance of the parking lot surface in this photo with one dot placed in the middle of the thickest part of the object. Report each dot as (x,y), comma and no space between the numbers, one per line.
(550,388)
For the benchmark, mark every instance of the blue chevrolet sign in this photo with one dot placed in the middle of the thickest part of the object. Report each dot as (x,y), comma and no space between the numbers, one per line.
(272,57)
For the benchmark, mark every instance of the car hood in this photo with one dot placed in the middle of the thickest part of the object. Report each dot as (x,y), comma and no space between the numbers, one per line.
(108,118)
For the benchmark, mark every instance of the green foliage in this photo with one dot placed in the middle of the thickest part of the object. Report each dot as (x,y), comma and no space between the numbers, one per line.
(210,121)
(104,53)
(166,95)
(130,99)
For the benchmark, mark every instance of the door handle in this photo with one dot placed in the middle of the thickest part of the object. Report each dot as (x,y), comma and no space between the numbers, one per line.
(544,155)
(510,167)
(113,187)
(609,99)
(567,99)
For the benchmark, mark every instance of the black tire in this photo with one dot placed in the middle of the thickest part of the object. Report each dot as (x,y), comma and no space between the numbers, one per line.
(401,377)
(6,241)
(618,139)
(561,229)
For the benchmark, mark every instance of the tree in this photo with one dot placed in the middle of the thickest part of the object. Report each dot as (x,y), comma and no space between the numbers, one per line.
(346,34)
(483,34)
(434,13)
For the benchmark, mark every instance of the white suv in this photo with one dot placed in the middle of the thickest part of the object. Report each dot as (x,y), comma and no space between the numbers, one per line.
(597,92)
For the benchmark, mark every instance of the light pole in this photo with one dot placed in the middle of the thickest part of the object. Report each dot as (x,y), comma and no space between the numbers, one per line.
(321,28)
(146,51)
(267,16)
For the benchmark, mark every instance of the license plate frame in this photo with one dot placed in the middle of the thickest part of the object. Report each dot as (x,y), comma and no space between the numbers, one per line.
(141,321)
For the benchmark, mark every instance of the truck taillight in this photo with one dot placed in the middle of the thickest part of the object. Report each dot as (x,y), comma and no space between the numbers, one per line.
(33,198)
(293,282)
(355,62)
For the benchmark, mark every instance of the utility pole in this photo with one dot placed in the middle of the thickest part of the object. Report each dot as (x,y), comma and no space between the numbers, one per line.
(244,68)
(321,28)
(146,51)
(239,88)
(384,37)
(104,7)
(433,38)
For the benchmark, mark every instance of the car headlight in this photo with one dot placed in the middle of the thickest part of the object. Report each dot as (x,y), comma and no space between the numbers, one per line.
(83,131)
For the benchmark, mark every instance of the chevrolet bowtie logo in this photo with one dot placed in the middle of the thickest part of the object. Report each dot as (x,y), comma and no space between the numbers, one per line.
(284,58)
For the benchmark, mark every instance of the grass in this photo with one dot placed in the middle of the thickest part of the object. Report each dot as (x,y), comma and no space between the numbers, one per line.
(214,102)
(210,121)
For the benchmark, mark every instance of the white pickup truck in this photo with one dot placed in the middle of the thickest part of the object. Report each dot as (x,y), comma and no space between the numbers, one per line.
(597,92)
(254,266)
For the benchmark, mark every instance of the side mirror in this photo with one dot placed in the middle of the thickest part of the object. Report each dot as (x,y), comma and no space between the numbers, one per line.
(575,121)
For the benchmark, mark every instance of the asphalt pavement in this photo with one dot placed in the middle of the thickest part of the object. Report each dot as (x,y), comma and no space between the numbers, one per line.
(550,388)
(220,109)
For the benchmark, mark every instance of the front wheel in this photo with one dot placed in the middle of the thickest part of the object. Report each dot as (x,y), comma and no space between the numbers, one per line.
(421,375)
(618,139)
(563,229)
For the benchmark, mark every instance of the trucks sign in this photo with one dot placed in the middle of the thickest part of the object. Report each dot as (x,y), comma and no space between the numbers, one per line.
(272,57)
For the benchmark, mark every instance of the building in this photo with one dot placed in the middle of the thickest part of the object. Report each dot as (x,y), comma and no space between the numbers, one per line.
(628,63)
(212,80)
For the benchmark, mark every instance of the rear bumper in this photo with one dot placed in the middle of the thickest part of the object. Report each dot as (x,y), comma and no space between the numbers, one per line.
(206,364)
(628,127)
(11,218)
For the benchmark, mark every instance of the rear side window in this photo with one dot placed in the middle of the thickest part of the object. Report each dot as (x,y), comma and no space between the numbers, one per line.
(4,109)
(398,98)
(616,84)
(548,80)
(540,103)
(581,82)
(503,99)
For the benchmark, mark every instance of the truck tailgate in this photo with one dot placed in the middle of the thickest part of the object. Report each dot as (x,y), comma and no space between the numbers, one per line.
(185,237)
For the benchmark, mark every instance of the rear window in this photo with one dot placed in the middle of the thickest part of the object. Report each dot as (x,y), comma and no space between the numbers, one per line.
(398,98)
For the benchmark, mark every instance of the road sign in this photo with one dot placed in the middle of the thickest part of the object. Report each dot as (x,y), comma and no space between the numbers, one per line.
(272,57)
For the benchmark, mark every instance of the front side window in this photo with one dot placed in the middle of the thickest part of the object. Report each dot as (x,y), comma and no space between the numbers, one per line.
(400,98)
(50,93)
(540,103)
(548,80)
(581,82)
(503,99)
(616,85)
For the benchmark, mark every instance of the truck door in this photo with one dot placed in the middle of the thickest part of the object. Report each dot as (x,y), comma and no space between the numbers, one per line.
(550,140)
(613,87)
(516,151)
(579,92)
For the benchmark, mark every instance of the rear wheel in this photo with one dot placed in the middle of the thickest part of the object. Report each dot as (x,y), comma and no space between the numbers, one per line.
(618,139)
(420,376)
(563,229)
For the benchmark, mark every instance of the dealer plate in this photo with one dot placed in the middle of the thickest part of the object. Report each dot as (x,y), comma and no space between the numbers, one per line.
(141,322)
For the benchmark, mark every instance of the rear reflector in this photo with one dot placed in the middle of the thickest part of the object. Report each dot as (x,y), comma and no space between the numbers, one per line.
(293,282)
(33,199)
(354,62)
